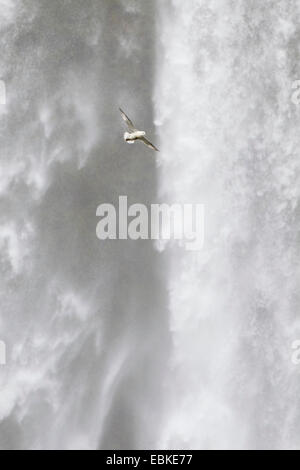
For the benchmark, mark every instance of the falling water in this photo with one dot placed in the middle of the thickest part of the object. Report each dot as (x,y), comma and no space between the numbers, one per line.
(118,344)
(230,140)
(84,321)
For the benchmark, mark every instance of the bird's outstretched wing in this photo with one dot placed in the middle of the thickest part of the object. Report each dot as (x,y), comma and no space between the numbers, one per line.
(127,120)
(146,142)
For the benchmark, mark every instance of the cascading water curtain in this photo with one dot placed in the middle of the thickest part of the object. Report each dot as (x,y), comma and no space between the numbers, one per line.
(230,140)
(79,316)
(124,344)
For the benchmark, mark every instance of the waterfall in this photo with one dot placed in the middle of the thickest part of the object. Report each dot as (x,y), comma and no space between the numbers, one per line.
(123,344)
(230,140)
(84,322)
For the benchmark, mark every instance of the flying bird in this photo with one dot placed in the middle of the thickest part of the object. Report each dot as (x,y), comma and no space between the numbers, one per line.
(134,134)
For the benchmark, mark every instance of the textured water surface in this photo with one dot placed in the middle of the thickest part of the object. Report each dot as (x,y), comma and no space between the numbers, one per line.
(123,344)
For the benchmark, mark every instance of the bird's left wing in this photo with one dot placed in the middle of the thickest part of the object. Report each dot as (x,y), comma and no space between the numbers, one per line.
(146,142)
(127,120)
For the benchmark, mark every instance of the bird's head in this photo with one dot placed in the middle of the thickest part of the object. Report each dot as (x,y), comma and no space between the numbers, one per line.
(140,133)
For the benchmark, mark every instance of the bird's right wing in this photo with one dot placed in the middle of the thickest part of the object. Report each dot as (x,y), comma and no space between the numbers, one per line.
(127,120)
(146,142)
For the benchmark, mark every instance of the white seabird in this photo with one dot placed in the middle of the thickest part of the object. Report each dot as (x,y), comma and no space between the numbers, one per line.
(134,134)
